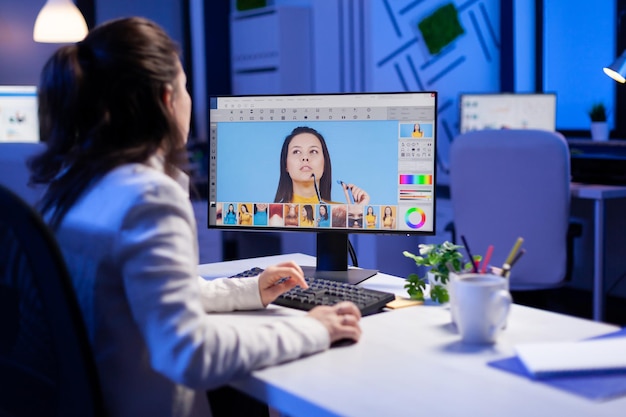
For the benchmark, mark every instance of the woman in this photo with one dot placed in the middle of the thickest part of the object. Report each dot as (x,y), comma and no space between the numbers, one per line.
(245,217)
(260,214)
(308,217)
(389,221)
(322,218)
(230,217)
(114,112)
(370,218)
(417,131)
(306,172)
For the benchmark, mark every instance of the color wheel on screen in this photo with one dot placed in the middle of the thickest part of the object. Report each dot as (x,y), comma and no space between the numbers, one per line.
(415,218)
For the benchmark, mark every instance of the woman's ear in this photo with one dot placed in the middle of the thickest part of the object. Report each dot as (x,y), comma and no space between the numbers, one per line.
(168,97)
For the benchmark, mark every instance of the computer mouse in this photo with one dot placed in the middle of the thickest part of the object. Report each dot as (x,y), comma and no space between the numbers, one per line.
(342,342)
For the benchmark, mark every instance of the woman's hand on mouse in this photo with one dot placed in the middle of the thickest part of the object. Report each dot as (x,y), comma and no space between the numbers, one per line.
(341,320)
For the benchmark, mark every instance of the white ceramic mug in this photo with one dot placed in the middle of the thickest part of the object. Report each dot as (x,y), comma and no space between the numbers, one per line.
(454,276)
(480,304)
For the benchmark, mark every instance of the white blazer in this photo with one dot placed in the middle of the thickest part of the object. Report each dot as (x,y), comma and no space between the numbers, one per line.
(130,244)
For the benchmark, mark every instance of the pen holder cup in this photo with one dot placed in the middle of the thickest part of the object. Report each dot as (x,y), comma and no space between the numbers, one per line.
(454,308)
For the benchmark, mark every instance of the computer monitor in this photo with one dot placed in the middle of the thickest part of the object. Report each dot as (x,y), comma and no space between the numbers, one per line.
(280,163)
(18,114)
(507,111)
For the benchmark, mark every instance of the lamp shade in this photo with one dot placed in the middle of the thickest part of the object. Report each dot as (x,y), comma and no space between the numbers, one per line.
(59,21)
(617,70)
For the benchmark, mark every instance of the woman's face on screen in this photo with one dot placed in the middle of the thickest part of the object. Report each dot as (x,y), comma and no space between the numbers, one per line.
(305,157)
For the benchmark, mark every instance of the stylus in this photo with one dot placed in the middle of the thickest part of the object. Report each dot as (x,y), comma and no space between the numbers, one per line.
(317,191)
(348,189)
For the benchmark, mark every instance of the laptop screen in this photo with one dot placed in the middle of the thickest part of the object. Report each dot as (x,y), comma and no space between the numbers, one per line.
(507,111)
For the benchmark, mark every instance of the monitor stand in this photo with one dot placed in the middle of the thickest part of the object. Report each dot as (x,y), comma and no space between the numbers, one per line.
(332,260)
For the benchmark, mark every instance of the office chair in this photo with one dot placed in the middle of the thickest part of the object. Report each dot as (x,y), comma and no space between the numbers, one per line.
(46,363)
(14,173)
(506,184)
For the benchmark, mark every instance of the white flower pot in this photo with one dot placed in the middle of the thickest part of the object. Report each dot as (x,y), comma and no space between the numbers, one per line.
(599,131)
(432,280)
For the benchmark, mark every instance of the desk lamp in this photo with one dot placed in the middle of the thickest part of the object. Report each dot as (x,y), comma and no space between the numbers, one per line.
(59,21)
(617,70)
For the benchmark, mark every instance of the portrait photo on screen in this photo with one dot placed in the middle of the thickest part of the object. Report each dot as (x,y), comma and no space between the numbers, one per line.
(251,166)
(276,215)
(229,213)
(416,130)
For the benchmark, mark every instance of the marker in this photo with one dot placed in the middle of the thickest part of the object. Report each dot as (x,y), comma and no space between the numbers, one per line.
(486,260)
(346,189)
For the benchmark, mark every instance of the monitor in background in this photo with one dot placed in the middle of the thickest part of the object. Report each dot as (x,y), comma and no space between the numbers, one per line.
(18,114)
(279,162)
(507,111)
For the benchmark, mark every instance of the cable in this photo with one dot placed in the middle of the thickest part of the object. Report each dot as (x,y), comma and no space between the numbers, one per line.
(352,253)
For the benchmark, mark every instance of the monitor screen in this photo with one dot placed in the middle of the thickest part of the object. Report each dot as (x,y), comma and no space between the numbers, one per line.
(333,164)
(18,114)
(507,111)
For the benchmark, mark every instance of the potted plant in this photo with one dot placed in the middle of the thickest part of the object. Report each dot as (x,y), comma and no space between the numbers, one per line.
(440,259)
(599,127)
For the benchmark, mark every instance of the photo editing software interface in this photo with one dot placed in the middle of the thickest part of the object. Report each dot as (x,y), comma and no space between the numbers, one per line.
(360,162)
(507,111)
(19,121)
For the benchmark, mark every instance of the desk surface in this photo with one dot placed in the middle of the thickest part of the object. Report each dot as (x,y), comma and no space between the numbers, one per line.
(411,362)
(597,191)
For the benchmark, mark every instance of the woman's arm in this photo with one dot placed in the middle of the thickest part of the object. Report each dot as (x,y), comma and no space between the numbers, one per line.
(159,264)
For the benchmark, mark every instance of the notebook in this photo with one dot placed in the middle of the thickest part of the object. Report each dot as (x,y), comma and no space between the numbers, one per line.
(568,358)
(596,386)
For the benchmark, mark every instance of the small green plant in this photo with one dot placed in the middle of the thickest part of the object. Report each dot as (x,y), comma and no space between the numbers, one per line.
(439,258)
(597,113)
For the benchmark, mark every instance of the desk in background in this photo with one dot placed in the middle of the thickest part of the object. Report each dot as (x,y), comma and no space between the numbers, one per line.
(598,193)
(410,362)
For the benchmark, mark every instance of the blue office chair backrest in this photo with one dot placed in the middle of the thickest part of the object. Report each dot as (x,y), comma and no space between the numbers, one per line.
(506,184)
(46,363)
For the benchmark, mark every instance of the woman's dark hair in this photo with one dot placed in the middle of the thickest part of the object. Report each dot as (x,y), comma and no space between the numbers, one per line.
(284,192)
(308,212)
(325,215)
(101,106)
(385,212)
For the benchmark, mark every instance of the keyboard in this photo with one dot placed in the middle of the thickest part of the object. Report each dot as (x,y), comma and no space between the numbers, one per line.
(328,292)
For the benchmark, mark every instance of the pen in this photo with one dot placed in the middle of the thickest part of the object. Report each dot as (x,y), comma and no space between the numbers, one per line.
(467,249)
(516,247)
(517,256)
(487,258)
(506,268)
(347,190)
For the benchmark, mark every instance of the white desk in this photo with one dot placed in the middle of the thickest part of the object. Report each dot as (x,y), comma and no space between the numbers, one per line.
(598,193)
(410,362)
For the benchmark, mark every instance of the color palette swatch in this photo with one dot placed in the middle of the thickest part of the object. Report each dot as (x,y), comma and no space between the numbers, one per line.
(415,218)
(416,179)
